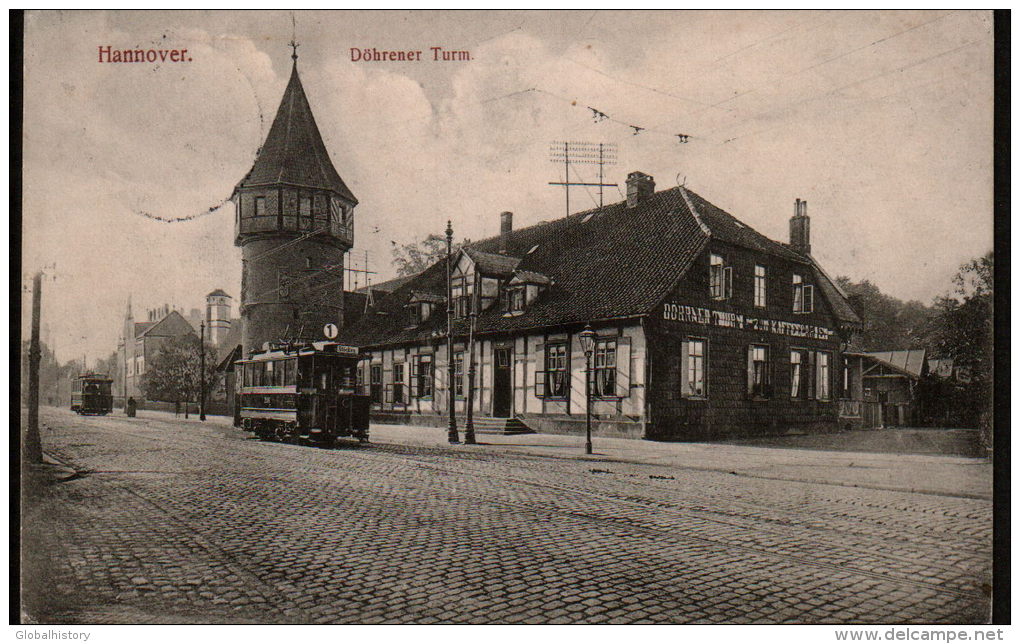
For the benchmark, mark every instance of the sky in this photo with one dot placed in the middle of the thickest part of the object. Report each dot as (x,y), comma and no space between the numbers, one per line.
(882,121)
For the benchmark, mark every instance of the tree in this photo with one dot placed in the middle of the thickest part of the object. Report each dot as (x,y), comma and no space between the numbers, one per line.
(413,258)
(889,323)
(961,328)
(174,376)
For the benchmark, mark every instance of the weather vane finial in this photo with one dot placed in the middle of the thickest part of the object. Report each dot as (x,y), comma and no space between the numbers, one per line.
(293,37)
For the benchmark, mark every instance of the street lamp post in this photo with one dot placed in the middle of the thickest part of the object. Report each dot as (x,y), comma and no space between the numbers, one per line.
(588,345)
(201,372)
(451,432)
(469,426)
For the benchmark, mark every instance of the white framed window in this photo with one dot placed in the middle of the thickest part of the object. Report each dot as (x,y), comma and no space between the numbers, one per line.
(720,278)
(803,295)
(760,286)
(823,373)
(556,379)
(693,368)
(799,368)
(758,370)
(604,368)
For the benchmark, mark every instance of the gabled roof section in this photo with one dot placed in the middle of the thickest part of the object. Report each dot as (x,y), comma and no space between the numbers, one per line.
(173,324)
(142,327)
(909,361)
(530,277)
(293,152)
(492,264)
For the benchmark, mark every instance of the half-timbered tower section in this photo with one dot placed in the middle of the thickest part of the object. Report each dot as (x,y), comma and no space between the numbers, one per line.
(705,328)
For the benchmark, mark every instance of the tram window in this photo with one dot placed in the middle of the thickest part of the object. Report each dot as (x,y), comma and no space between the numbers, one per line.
(289,372)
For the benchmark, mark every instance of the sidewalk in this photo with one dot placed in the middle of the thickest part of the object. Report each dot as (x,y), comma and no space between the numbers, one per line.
(942,475)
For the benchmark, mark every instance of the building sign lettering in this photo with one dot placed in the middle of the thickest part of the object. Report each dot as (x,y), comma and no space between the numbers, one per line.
(708,317)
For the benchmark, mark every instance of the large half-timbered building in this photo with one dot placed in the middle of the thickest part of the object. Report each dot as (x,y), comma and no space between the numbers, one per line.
(706,328)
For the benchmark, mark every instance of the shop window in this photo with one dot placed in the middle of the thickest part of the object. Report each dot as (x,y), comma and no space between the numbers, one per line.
(693,368)
(760,286)
(720,278)
(604,368)
(758,368)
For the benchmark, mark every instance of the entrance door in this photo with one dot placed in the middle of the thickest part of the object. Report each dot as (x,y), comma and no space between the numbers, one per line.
(502,391)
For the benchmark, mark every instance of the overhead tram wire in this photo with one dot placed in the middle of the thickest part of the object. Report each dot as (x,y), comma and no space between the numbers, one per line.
(806,69)
(844,87)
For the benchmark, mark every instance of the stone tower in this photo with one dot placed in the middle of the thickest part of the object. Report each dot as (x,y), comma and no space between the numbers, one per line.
(294,221)
(217,316)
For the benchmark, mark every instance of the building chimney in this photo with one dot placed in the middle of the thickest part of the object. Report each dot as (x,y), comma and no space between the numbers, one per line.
(800,228)
(640,186)
(506,226)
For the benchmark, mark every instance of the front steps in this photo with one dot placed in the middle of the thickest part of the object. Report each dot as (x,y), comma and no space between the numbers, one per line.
(501,426)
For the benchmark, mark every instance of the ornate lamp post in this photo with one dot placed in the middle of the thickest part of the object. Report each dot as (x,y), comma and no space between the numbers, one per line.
(588,345)
(201,371)
(469,426)
(451,432)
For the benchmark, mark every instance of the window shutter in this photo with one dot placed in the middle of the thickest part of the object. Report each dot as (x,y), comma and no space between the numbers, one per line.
(750,369)
(540,383)
(623,367)
(809,299)
(728,285)
(685,386)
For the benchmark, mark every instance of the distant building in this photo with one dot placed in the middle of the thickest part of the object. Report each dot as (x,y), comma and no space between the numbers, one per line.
(891,379)
(141,341)
(705,328)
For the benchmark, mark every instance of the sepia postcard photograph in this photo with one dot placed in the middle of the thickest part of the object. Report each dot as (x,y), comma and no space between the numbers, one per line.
(507,317)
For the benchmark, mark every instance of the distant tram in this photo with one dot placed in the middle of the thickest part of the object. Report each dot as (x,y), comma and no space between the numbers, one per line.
(91,394)
(302,393)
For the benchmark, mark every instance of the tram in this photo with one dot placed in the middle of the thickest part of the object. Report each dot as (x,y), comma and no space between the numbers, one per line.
(91,394)
(303,393)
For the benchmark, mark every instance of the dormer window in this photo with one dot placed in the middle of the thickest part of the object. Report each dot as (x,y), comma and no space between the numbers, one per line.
(720,278)
(516,303)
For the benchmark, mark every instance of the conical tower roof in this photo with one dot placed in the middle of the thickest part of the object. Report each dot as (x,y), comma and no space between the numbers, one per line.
(294,153)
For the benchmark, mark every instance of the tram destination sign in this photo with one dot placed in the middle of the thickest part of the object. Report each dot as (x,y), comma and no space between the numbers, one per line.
(709,317)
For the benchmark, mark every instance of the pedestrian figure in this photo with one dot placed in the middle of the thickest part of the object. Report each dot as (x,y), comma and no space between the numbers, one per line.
(177,408)
(131,406)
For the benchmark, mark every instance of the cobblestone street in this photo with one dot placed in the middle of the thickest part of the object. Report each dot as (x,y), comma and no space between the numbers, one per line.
(182,522)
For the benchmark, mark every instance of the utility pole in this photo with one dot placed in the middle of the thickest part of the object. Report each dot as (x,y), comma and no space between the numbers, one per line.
(451,433)
(33,446)
(201,371)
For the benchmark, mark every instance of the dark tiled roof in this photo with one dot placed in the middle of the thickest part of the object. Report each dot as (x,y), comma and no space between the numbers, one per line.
(530,277)
(388,286)
(171,325)
(294,152)
(142,327)
(835,297)
(606,263)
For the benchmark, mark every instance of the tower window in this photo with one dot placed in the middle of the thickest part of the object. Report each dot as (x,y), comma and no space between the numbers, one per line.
(260,206)
(308,262)
(306,207)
